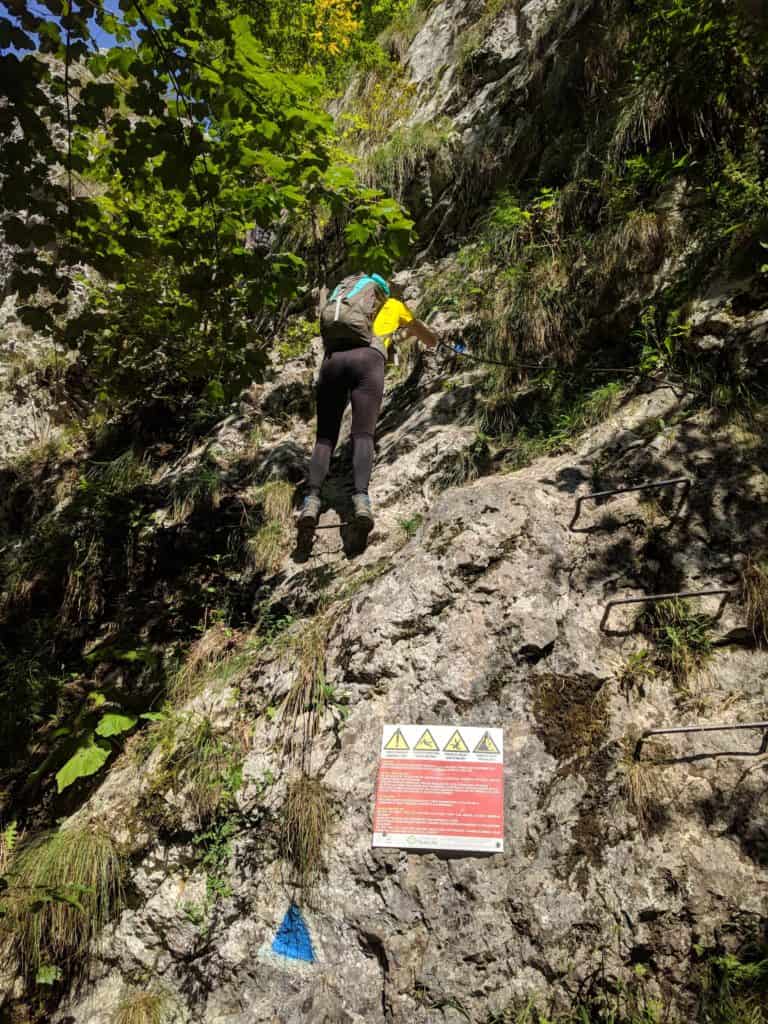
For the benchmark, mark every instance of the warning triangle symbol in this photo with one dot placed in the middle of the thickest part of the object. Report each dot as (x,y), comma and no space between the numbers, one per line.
(426,742)
(486,745)
(456,744)
(396,742)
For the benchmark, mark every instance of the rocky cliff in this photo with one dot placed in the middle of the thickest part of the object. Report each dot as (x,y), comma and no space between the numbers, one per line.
(482,598)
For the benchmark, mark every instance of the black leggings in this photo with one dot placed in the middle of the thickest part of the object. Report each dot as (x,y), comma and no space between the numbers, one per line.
(357,376)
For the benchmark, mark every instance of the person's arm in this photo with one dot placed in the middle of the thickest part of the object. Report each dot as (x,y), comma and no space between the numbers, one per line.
(422,332)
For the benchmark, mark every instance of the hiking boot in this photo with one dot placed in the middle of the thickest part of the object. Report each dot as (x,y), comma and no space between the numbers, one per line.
(309,513)
(362,511)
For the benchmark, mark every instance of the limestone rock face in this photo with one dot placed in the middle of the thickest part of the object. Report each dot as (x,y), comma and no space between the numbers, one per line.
(481,599)
(490,613)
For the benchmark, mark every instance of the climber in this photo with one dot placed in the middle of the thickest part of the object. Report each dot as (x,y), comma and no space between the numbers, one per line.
(357,323)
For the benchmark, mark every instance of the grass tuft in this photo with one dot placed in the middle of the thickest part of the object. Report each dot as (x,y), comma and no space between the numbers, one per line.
(305,823)
(267,546)
(121,475)
(393,165)
(642,786)
(754,588)
(682,638)
(198,765)
(63,887)
(144,1008)
(305,704)
(9,838)
(212,658)
(197,490)
(636,673)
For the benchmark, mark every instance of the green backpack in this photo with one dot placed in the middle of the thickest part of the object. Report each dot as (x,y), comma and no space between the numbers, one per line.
(346,320)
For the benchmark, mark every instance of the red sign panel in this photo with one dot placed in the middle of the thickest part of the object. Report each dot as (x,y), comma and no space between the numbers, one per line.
(440,787)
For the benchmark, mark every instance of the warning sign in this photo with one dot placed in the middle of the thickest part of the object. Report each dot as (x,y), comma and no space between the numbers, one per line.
(440,788)
(456,744)
(486,745)
(396,742)
(426,742)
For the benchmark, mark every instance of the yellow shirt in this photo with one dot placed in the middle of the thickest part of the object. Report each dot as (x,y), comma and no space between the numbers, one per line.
(393,314)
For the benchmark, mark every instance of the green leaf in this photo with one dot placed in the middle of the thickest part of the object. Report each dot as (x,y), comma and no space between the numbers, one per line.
(48,974)
(154,716)
(87,760)
(132,656)
(247,49)
(357,233)
(214,392)
(113,724)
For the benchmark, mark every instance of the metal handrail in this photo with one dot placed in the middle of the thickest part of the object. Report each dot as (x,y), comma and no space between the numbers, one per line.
(650,598)
(686,481)
(705,728)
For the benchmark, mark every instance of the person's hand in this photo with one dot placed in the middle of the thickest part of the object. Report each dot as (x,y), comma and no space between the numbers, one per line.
(426,336)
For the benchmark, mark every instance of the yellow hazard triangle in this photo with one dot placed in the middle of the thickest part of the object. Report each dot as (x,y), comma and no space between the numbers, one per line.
(456,744)
(486,745)
(396,742)
(426,742)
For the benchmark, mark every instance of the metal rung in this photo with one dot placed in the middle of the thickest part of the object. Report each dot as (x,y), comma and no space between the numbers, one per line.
(685,481)
(651,598)
(705,728)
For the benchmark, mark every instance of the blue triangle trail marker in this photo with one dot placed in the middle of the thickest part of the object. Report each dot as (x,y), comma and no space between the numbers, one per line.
(292,939)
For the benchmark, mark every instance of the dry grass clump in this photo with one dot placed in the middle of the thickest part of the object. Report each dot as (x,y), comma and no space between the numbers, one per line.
(63,887)
(144,1008)
(268,545)
(754,589)
(305,822)
(211,658)
(638,245)
(642,786)
(304,706)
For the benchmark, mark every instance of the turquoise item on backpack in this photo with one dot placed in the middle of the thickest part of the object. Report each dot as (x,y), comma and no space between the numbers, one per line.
(381,283)
(364,280)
